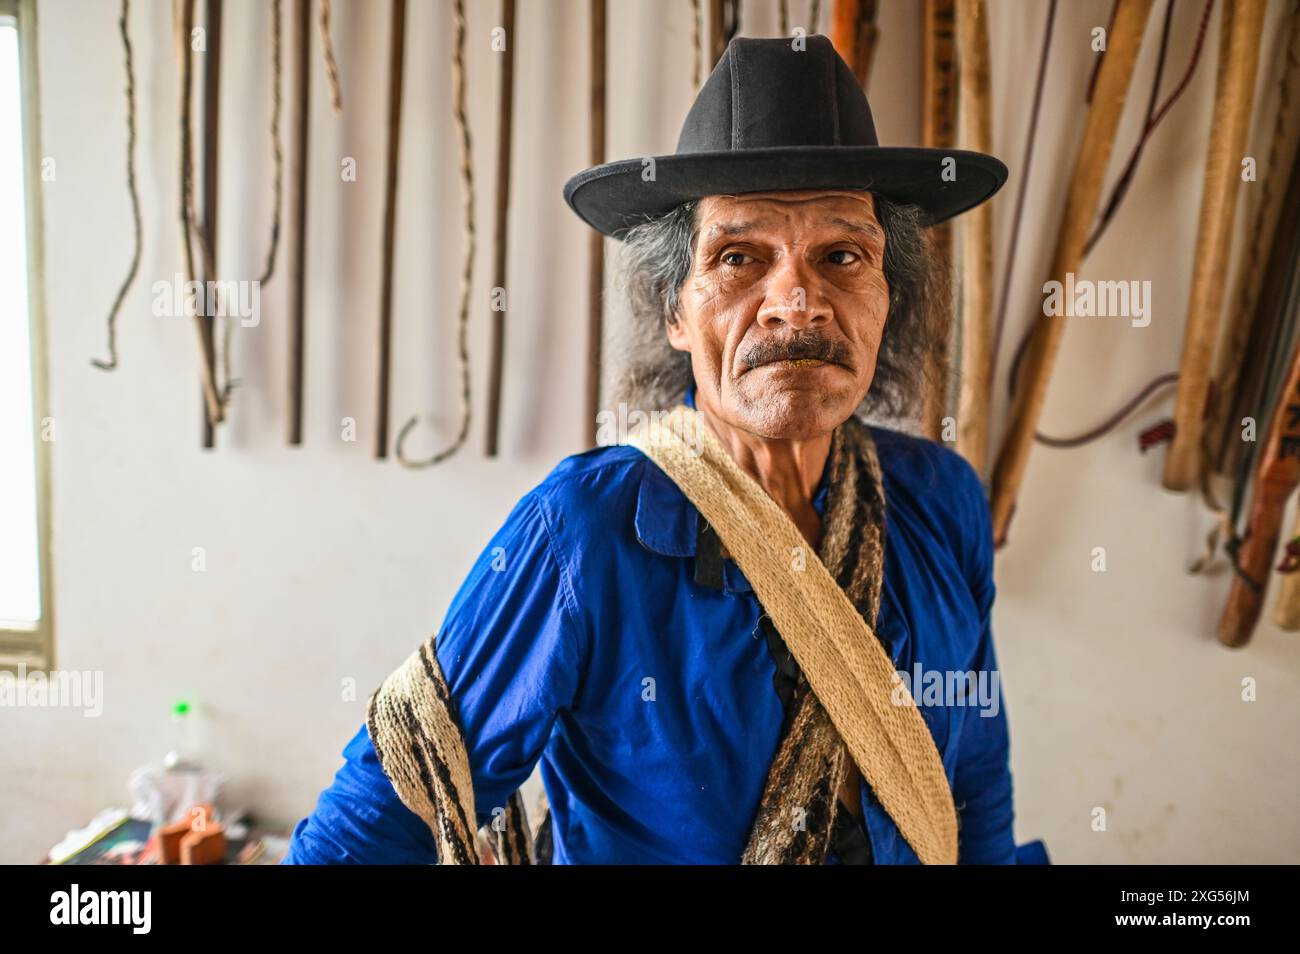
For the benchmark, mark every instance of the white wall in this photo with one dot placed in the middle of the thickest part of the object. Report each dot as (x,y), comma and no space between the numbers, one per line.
(324,565)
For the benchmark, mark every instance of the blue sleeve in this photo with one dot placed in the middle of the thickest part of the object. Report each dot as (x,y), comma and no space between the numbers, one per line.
(511,651)
(982,786)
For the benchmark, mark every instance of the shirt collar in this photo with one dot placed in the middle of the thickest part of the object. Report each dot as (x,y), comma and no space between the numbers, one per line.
(668,523)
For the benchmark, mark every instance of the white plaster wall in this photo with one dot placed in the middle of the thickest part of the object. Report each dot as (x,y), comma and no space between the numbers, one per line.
(323,565)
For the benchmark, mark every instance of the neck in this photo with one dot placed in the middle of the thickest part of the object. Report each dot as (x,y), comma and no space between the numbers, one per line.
(788,470)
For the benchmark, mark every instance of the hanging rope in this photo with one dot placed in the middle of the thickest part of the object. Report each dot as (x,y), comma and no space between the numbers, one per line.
(277,146)
(111,363)
(467,272)
(327,53)
(1153,116)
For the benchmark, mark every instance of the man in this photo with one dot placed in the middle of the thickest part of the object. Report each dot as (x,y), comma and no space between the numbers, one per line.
(684,710)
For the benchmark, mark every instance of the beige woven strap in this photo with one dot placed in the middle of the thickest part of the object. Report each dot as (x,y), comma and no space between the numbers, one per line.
(848,669)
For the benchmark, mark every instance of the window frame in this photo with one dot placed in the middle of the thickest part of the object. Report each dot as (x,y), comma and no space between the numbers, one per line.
(34,647)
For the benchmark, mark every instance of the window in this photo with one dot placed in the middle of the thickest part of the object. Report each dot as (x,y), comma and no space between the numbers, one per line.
(25,603)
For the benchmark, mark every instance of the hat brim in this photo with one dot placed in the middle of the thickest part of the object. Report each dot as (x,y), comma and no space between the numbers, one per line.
(613,197)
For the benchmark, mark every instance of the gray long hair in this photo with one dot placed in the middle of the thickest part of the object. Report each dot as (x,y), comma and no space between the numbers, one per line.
(656,261)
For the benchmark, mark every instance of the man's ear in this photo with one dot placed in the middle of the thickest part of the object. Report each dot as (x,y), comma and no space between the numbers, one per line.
(677,336)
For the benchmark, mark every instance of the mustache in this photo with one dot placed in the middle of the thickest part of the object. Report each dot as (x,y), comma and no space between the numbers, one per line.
(804,345)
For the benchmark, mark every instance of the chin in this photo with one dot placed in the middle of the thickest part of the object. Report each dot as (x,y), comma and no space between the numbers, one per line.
(794,413)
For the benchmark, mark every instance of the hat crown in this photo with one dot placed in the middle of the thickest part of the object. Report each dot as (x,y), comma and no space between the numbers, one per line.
(778,92)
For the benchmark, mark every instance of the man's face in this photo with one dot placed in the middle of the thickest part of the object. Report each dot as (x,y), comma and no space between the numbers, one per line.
(783,309)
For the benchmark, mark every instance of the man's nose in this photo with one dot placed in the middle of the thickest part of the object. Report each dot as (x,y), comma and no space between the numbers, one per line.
(793,297)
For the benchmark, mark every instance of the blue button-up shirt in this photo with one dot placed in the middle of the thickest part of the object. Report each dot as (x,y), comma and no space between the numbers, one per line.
(581,639)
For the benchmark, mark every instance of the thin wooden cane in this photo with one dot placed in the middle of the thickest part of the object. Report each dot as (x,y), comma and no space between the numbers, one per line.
(854,33)
(183,11)
(938,131)
(1232,378)
(1113,79)
(505,127)
(976,133)
(211,164)
(296,246)
(717,31)
(396,68)
(1276,479)
(596,241)
(1234,98)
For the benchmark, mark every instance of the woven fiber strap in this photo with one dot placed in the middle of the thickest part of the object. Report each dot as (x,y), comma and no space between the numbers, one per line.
(849,671)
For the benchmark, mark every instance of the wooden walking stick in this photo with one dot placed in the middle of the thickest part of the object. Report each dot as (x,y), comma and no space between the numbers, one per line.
(396,66)
(211,163)
(1235,384)
(938,131)
(596,241)
(976,133)
(183,11)
(505,126)
(854,33)
(1081,207)
(296,246)
(724,22)
(1234,97)
(1276,479)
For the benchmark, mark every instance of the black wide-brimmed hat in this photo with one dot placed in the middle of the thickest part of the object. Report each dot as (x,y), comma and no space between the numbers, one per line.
(781,114)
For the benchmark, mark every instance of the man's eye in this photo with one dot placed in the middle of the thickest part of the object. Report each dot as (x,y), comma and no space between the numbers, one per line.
(842,256)
(735,259)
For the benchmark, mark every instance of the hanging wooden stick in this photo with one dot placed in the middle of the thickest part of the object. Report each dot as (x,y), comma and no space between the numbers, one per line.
(724,23)
(505,126)
(467,271)
(211,164)
(138,230)
(938,131)
(296,247)
(1233,389)
(596,241)
(976,118)
(1276,478)
(1081,207)
(277,149)
(1234,98)
(854,33)
(396,66)
(183,19)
